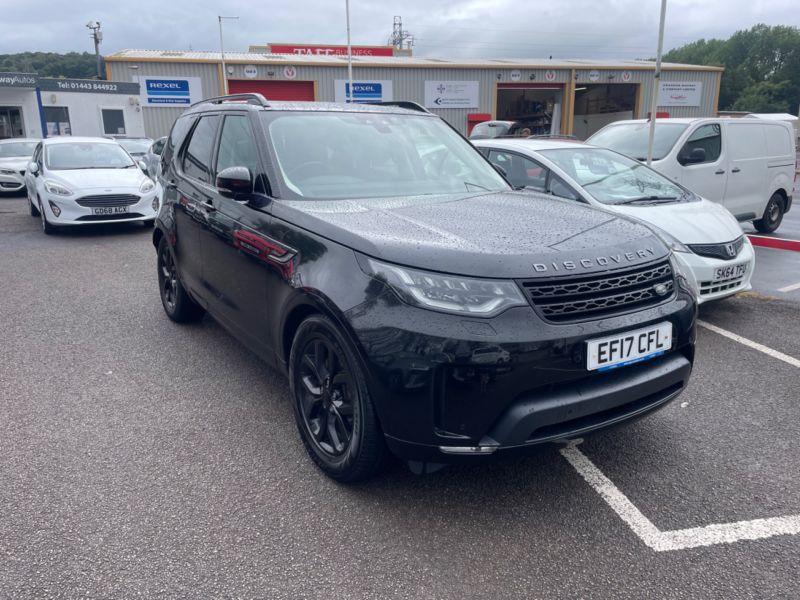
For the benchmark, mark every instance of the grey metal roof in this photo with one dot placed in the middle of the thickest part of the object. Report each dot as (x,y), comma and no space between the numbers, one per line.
(396,61)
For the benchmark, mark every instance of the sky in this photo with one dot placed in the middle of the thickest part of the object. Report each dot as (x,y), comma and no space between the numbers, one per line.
(444,28)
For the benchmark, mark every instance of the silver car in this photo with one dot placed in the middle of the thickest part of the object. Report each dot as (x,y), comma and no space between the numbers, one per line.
(15,154)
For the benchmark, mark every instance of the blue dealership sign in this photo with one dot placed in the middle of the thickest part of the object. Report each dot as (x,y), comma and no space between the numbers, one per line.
(363,91)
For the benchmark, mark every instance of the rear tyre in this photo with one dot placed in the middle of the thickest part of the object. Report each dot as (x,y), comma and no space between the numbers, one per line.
(332,405)
(176,301)
(773,215)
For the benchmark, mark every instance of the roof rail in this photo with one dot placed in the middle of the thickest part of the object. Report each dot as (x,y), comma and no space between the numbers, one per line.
(248,98)
(407,104)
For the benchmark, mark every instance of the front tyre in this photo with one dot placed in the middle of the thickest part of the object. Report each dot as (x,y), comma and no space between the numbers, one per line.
(34,211)
(177,303)
(46,226)
(332,405)
(773,215)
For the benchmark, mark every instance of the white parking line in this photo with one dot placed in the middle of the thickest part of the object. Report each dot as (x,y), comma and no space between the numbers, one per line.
(751,344)
(680,539)
(789,288)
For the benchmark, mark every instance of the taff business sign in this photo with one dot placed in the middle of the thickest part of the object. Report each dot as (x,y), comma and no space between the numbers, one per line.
(363,91)
(170,91)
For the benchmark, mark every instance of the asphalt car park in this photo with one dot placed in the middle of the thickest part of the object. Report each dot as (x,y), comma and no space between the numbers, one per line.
(144,459)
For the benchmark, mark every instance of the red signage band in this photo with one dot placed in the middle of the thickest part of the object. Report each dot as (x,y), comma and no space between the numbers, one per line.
(314,50)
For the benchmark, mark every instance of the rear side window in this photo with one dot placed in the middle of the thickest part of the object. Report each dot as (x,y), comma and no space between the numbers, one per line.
(175,140)
(237,145)
(706,137)
(197,157)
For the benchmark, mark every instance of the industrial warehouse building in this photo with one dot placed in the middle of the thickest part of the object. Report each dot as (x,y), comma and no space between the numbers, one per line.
(558,96)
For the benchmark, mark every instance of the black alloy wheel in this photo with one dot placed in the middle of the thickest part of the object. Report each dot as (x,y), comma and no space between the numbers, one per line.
(178,305)
(773,215)
(332,405)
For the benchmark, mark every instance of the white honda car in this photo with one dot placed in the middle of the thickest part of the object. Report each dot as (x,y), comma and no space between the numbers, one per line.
(77,181)
(714,254)
(15,154)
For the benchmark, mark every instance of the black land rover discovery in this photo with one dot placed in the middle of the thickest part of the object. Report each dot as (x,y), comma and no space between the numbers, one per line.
(417,303)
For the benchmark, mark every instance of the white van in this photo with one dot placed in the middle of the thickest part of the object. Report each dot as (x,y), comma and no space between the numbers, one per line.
(747,165)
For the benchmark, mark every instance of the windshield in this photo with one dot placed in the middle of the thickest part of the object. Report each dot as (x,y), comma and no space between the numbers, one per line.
(86,155)
(12,149)
(612,178)
(490,130)
(371,155)
(136,146)
(631,139)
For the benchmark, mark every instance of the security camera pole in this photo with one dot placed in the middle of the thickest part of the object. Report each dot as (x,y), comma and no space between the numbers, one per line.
(656,84)
(222,55)
(97,36)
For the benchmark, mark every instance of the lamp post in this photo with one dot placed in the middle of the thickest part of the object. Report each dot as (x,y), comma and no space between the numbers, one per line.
(349,55)
(222,55)
(656,84)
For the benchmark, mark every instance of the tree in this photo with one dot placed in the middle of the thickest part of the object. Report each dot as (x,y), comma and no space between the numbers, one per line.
(762,67)
(50,64)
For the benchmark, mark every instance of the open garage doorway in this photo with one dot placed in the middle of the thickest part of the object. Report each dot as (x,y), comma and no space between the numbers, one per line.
(597,105)
(537,107)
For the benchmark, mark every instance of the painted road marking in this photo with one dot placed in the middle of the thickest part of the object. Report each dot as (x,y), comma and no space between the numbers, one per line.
(679,539)
(790,288)
(751,344)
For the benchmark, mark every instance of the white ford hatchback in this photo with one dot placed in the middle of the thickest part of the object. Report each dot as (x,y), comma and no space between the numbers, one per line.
(77,181)
(715,256)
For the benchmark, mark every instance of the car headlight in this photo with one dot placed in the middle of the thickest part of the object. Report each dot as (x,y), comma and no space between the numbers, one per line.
(57,189)
(147,186)
(448,293)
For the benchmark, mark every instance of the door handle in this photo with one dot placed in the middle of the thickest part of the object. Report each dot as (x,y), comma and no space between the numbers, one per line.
(735,170)
(719,172)
(209,206)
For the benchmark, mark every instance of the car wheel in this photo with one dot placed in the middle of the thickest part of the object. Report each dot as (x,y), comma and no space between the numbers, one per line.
(332,404)
(46,226)
(773,215)
(32,208)
(177,303)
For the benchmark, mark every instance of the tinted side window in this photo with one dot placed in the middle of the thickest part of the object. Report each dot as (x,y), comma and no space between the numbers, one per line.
(709,138)
(197,157)
(179,130)
(520,171)
(237,145)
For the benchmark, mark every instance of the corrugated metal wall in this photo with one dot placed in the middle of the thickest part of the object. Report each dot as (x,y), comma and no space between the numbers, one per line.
(408,84)
(158,120)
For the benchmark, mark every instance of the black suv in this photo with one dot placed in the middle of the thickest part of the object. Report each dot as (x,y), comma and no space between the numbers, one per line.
(416,302)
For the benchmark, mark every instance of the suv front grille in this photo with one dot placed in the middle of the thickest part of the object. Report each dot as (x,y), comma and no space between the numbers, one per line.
(594,296)
(724,251)
(108,200)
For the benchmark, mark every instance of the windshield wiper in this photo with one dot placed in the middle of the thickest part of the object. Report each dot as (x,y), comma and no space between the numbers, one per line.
(649,200)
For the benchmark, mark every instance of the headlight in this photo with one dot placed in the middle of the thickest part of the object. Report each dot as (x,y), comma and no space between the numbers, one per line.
(57,189)
(448,293)
(147,186)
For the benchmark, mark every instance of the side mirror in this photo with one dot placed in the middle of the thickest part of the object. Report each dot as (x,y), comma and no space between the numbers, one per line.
(697,155)
(500,170)
(235,181)
(143,167)
(33,168)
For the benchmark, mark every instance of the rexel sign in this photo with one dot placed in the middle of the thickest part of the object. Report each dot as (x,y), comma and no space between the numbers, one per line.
(170,91)
(363,91)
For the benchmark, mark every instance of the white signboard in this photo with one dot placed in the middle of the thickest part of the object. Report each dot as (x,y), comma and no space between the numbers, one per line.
(363,91)
(250,71)
(451,94)
(169,92)
(594,75)
(680,93)
(516,75)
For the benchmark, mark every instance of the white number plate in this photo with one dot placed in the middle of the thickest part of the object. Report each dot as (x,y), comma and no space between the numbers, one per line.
(109,210)
(730,272)
(629,347)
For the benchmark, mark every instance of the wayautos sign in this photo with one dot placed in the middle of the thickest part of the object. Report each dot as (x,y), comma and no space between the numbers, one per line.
(25,80)
(680,93)
(363,91)
(170,91)
(451,94)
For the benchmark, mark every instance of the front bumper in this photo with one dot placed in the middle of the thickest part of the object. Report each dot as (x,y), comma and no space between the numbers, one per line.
(11,182)
(699,273)
(72,213)
(450,389)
